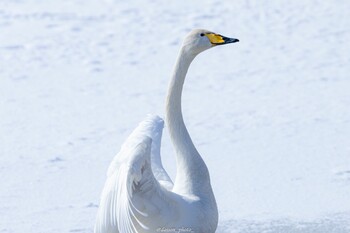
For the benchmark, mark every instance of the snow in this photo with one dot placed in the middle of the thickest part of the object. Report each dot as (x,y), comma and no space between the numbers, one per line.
(270,114)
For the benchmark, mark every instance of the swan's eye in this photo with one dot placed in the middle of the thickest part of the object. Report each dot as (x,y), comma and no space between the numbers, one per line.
(202,34)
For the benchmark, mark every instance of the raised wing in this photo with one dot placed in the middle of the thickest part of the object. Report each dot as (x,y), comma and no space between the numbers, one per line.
(132,199)
(153,126)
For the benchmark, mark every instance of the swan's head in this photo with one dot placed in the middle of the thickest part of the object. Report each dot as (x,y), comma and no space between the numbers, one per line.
(199,40)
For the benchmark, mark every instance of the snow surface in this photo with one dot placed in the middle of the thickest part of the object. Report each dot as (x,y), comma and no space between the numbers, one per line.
(270,114)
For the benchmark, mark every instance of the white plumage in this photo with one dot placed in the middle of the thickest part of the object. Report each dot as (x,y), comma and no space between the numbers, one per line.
(139,195)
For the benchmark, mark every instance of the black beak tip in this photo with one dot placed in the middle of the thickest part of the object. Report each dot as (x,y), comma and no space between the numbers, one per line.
(230,40)
(233,40)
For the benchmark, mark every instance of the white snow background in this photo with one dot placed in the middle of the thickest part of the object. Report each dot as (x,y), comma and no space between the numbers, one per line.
(270,114)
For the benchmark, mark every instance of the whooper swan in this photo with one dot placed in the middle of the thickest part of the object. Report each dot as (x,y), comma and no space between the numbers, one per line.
(138,195)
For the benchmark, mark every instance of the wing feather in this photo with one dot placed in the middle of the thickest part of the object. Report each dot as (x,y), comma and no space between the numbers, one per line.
(132,197)
(153,126)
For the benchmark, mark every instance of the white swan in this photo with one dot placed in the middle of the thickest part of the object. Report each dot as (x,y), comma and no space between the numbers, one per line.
(138,195)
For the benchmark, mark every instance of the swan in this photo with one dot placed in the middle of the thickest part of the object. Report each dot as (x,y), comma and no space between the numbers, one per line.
(139,195)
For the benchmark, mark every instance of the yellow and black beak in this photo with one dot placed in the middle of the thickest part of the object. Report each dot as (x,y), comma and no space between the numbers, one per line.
(217,39)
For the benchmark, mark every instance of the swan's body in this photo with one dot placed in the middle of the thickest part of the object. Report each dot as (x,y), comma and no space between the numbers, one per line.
(139,196)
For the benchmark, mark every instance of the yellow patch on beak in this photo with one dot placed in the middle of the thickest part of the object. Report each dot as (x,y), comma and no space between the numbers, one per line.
(215,38)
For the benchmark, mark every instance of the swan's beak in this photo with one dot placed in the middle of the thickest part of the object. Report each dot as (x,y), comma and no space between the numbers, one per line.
(217,39)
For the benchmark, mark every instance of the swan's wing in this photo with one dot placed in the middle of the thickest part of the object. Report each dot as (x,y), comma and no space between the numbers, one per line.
(153,127)
(132,196)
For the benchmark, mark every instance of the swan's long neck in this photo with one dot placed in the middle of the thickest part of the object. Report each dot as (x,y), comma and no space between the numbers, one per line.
(192,174)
